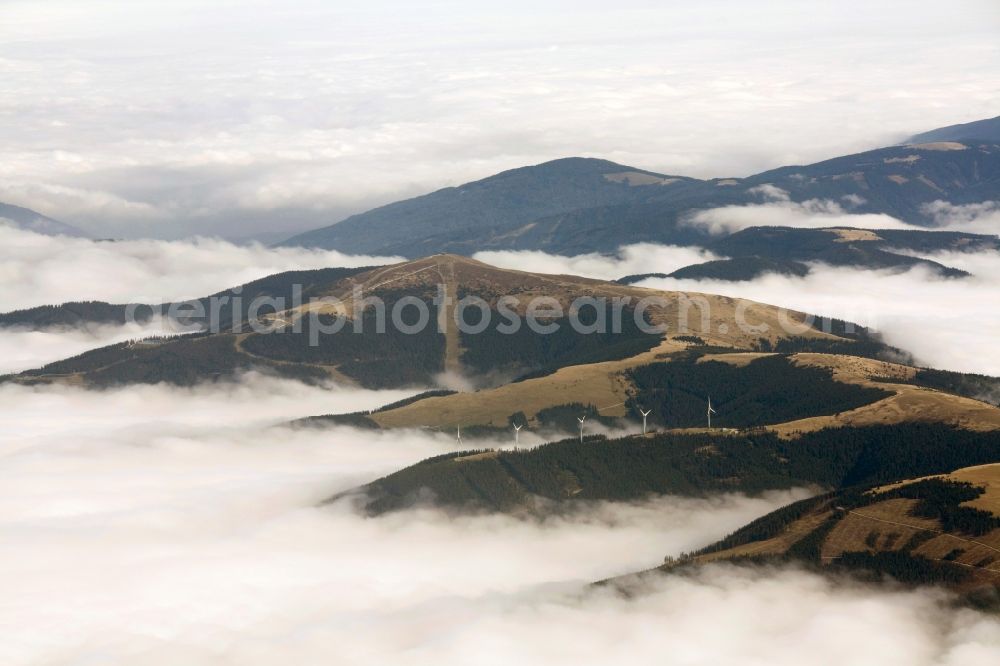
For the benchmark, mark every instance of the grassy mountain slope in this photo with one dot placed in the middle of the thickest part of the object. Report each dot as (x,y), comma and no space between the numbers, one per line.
(911,400)
(791,392)
(826,419)
(394,358)
(848,247)
(939,530)
(673,379)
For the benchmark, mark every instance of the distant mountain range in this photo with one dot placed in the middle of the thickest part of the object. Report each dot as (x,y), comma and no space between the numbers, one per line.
(28,220)
(544,207)
(579,205)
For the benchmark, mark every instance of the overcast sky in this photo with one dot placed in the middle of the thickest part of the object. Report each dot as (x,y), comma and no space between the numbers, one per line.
(167,118)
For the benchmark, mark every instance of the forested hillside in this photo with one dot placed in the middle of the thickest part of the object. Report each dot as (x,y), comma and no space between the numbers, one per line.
(680,463)
(766,390)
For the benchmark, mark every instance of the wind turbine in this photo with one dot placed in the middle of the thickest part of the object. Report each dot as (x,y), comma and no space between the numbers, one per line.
(710,412)
(644,415)
(517,434)
(459,434)
(581,420)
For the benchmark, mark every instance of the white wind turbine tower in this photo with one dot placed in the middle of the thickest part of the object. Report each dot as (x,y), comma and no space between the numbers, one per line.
(517,434)
(459,434)
(581,420)
(644,415)
(710,412)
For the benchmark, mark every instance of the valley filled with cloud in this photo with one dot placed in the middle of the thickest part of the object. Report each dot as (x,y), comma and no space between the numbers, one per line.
(168,526)
(182,525)
(464,491)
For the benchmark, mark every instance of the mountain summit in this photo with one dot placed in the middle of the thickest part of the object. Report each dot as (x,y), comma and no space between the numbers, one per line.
(285,324)
(514,197)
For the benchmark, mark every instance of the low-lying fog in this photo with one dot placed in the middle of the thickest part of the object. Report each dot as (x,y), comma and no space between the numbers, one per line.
(24,349)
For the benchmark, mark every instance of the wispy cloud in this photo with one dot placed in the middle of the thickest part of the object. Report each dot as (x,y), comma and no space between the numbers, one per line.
(778,210)
(977,218)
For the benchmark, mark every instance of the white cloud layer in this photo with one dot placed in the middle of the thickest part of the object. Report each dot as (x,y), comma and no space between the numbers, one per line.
(179,118)
(977,218)
(164,526)
(178,526)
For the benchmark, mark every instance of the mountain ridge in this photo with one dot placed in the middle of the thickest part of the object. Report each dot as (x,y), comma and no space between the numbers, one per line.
(579,205)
